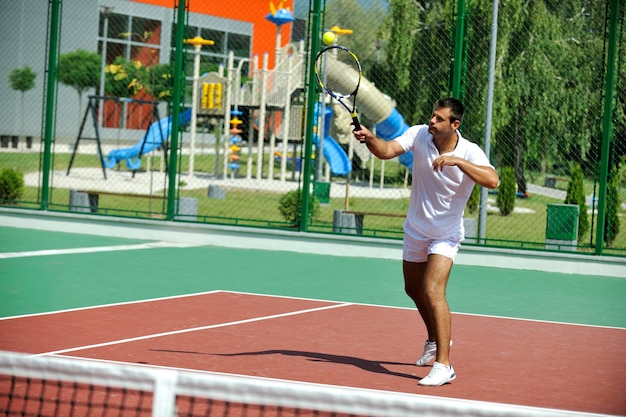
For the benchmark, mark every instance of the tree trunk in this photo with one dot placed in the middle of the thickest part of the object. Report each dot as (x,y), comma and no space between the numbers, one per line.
(519,167)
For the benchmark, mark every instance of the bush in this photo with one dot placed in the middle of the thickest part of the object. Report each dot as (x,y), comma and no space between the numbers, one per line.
(290,206)
(11,185)
(126,78)
(506,191)
(576,195)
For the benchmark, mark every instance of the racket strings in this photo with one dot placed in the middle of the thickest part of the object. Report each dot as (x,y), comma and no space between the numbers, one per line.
(341,72)
(341,80)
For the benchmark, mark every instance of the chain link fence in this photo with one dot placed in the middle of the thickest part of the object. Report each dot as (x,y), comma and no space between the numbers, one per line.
(87,113)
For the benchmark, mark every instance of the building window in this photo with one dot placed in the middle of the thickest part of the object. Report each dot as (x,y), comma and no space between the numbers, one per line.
(132,38)
(239,44)
(216,36)
(217,54)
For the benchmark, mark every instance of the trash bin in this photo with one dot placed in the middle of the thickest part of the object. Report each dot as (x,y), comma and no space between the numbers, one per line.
(549,182)
(351,223)
(187,209)
(562,227)
(81,202)
(216,192)
(322,192)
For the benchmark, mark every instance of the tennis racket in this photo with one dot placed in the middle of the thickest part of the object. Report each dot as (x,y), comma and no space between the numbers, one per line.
(338,72)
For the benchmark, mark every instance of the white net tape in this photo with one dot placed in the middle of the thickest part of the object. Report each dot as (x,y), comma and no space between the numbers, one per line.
(167,386)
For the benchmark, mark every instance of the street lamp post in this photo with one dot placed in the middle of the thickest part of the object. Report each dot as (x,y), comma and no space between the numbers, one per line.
(339,31)
(279,17)
(322,120)
(197,43)
(105,11)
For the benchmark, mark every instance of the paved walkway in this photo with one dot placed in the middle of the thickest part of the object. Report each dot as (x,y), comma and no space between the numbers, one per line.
(546,191)
(155,183)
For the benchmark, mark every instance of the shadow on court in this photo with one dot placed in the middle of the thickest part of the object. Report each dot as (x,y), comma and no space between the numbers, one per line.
(363,364)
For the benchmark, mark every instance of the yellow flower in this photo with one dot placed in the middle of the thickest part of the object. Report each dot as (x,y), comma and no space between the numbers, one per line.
(112,68)
(135,86)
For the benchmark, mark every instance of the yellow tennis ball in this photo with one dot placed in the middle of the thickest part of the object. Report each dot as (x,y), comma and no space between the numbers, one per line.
(328,37)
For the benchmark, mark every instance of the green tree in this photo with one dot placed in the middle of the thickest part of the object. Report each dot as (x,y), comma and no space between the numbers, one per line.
(613,203)
(474,199)
(352,14)
(506,191)
(576,195)
(527,70)
(80,70)
(547,78)
(419,47)
(22,80)
(621,171)
(398,35)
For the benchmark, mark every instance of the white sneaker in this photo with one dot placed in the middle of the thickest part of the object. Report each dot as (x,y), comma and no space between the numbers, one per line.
(429,354)
(439,375)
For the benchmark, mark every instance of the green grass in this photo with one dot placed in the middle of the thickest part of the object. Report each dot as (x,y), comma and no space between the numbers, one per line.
(252,207)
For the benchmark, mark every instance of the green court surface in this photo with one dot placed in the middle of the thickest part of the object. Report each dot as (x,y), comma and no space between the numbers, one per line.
(116,269)
(19,239)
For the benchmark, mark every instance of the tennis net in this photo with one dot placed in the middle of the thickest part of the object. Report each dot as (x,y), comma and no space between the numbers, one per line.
(38,386)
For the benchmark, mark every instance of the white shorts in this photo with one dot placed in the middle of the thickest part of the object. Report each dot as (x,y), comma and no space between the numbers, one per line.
(417,249)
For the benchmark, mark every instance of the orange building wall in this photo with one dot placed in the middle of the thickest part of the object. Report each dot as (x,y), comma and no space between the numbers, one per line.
(253,11)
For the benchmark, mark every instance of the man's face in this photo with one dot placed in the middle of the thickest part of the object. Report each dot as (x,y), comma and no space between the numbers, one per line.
(440,122)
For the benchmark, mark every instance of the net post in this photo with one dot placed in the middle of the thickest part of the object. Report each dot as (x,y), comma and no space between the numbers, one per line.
(165,393)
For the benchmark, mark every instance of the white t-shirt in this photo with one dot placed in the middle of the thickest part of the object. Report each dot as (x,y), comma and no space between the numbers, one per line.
(438,199)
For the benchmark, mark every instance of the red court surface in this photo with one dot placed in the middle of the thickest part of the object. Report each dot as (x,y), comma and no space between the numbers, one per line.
(510,361)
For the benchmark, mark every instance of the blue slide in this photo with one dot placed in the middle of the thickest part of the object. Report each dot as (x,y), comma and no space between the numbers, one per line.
(336,157)
(380,110)
(392,127)
(153,139)
(391,124)
(334,154)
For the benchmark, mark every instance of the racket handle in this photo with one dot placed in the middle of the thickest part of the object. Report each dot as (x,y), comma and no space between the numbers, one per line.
(357,125)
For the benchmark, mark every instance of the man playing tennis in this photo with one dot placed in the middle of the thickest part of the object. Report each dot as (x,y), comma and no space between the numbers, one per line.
(445,168)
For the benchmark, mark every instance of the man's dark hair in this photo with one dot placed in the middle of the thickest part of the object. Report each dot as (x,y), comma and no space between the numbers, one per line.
(456,107)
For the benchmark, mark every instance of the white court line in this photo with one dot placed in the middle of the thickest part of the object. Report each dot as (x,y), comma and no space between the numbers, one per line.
(193,329)
(242,237)
(456,313)
(72,251)
(122,303)
(148,300)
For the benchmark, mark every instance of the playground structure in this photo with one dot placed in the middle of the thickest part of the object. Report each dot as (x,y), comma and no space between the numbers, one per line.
(273,91)
(234,156)
(270,98)
(154,138)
